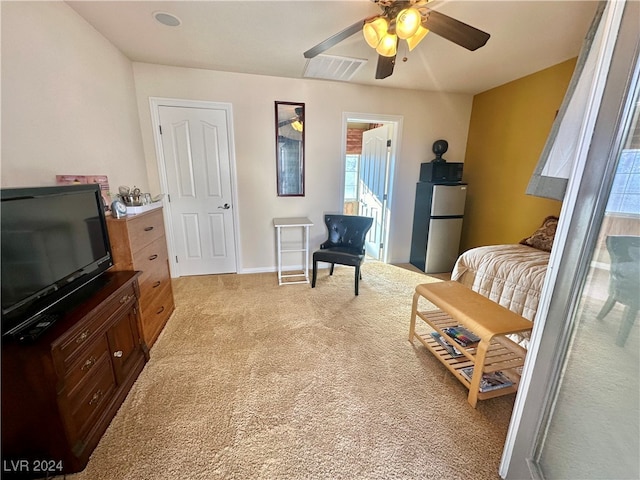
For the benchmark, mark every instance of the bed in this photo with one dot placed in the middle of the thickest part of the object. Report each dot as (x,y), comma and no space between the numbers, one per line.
(511,275)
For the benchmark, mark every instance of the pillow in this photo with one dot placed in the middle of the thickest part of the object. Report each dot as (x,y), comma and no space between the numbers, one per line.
(542,238)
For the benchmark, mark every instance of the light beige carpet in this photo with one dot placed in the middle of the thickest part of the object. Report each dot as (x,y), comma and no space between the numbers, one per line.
(251,380)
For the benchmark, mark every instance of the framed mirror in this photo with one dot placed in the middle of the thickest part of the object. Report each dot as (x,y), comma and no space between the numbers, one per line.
(290,149)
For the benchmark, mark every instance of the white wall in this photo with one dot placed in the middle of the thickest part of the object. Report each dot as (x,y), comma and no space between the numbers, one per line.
(68,104)
(426,118)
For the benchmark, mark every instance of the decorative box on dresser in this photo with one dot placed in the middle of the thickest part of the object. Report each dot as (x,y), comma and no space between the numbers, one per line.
(138,242)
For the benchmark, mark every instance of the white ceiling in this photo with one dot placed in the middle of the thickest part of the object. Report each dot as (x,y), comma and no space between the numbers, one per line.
(269,38)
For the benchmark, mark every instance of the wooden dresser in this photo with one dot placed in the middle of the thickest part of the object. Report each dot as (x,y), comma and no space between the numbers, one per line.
(60,391)
(138,242)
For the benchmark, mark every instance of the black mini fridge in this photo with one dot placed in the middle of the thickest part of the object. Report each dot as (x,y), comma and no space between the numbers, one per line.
(437,225)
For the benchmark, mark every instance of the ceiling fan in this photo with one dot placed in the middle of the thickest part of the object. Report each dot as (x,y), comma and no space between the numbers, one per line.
(410,20)
(296,116)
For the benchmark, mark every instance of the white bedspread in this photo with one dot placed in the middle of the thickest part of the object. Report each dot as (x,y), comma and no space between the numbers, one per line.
(511,275)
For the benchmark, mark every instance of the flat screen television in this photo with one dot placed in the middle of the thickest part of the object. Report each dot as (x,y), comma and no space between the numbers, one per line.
(54,242)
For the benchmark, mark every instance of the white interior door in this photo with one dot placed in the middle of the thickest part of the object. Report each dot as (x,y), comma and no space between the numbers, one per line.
(196,151)
(374,181)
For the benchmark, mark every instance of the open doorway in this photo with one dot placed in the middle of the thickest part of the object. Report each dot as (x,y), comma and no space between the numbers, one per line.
(370,148)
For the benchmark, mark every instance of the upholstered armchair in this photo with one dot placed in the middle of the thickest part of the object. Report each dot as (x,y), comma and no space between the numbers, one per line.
(624,281)
(345,244)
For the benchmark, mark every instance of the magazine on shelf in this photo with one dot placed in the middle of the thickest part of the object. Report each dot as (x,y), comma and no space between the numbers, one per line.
(461,335)
(453,351)
(490,381)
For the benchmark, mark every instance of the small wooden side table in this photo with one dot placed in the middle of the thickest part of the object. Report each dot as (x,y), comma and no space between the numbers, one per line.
(279,224)
(459,305)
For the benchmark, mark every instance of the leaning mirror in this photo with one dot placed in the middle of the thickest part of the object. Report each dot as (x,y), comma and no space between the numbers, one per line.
(290,149)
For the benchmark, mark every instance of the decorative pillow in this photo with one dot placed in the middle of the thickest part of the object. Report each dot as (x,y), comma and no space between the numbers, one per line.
(542,238)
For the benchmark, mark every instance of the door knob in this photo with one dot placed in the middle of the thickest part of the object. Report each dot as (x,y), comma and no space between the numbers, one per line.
(226,206)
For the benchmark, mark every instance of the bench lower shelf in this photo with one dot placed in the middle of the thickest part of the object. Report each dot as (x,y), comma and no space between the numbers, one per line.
(493,353)
(454,365)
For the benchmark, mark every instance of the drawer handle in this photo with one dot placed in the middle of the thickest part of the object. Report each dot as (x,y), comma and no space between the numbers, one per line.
(157,284)
(153,257)
(96,397)
(117,354)
(148,229)
(125,299)
(83,336)
(160,310)
(89,363)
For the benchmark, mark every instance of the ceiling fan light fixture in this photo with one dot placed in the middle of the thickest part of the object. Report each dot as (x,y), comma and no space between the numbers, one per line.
(407,22)
(417,37)
(375,30)
(297,125)
(388,45)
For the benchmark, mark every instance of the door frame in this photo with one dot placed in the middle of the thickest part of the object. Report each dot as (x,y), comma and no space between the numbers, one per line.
(155,103)
(395,122)
(582,211)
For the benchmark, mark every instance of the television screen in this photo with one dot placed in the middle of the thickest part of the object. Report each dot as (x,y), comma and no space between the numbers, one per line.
(53,241)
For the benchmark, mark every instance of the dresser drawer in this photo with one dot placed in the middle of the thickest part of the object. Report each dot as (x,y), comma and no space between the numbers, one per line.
(150,258)
(90,399)
(79,337)
(86,362)
(155,281)
(144,229)
(156,314)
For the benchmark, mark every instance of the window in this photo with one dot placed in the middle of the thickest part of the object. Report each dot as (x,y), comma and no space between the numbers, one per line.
(625,192)
(352,162)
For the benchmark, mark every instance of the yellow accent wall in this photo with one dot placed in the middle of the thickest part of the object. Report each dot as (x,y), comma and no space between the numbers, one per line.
(508,129)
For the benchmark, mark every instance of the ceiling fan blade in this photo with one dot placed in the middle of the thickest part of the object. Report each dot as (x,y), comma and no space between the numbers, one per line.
(335,39)
(385,66)
(455,31)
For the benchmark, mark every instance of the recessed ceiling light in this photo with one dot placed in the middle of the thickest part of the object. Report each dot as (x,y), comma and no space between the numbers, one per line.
(167,19)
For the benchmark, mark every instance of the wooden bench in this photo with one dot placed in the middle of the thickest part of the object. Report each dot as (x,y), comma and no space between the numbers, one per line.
(459,305)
